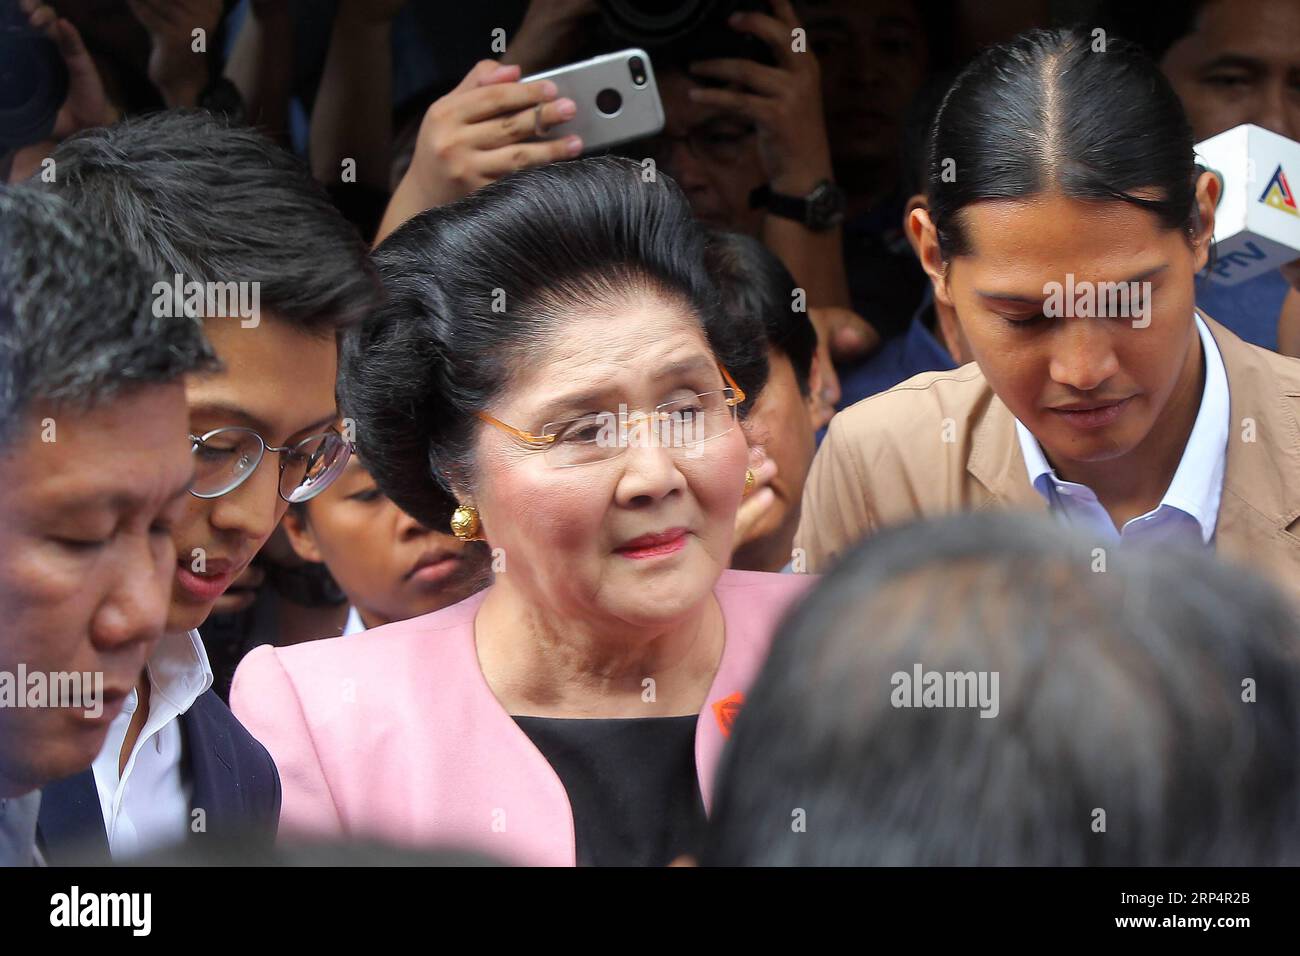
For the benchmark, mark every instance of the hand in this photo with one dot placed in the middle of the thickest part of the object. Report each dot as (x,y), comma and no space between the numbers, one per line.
(87,104)
(476,133)
(1291,272)
(754,507)
(784,102)
(842,334)
(550,33)
(175,69)
(822,402)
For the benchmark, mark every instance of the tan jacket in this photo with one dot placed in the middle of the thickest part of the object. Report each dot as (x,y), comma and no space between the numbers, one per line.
(942,441)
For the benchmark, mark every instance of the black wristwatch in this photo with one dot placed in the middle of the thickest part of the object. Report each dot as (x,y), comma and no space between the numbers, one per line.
(821,209)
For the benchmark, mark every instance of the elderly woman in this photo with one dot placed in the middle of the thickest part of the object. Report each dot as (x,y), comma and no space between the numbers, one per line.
(550,373)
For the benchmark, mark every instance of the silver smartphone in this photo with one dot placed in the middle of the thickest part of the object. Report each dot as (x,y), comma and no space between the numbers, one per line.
(616,96)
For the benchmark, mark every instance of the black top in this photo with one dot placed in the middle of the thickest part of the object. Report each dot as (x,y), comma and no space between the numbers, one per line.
(631,782)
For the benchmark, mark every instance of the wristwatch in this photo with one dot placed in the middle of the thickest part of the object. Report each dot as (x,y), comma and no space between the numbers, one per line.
(821,209)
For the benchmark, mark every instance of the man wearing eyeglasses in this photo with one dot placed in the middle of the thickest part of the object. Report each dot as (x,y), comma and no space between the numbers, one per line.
(215,205)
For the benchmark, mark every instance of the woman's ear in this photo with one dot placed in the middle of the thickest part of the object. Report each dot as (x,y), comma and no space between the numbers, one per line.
(925,240)
(1209,187)
(297,528)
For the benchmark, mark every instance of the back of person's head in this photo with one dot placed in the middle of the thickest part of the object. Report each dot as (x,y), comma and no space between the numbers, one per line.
(1049,111)
(215,203)
(1146,710)
(753,281)
(77,326)
(475,289)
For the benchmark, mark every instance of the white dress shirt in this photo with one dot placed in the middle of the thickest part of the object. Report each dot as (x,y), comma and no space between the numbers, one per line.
(1189,509)
(355,625)
(148,805)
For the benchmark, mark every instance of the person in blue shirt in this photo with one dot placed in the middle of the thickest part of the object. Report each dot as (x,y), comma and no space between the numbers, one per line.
(1230,62)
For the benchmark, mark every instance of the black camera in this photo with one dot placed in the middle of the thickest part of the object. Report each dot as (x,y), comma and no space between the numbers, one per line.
(681,31)
(33,81)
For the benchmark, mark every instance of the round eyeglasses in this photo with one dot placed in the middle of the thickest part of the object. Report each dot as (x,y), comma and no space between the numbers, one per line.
(225,458)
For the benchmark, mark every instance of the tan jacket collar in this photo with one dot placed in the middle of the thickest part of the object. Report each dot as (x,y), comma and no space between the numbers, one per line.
(995,460)
(1261,479)
(1265,471)
(1261,476)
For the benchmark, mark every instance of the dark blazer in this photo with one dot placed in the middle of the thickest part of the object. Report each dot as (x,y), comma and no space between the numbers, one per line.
(233,779)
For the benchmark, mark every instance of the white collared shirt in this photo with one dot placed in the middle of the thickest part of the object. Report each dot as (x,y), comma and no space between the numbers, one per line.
(1189,509)
(148,806)
(354,625)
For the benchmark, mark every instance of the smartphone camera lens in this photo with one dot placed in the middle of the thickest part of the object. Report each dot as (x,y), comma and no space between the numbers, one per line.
(609,101)
(636,66)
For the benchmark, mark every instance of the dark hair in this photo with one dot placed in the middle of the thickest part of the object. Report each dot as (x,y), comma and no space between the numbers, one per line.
(1155,25)
(1120,689)
(473,286)
(753,281)
(194,195)
(77,326)
(1043,110)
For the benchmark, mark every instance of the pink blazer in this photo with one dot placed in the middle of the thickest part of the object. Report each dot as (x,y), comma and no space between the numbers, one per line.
(394,734)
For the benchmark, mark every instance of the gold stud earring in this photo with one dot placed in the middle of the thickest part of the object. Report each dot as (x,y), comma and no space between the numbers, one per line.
(464,523)
(749,482)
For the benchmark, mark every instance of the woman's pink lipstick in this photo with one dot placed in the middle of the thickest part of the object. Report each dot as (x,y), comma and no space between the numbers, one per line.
(654,545)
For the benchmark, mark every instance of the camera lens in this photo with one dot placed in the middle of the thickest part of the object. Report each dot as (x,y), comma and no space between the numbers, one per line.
(33,85)
(609,101)
(636,66)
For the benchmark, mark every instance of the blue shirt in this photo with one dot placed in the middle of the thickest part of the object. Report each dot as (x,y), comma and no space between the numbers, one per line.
(1189,509)
(915,351)
(1249,308)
